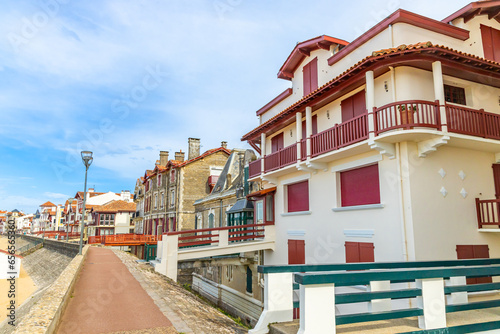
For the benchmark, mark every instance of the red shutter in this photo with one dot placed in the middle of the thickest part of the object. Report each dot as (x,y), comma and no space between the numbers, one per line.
(347,108)
(310,74)
(481,252)
(486,36)
(351,252)
(465,252)
(496,179)
(360,186)
(298,196)
(474,252)
(277,143)
(359,104)
(495,38)
(296,252)
(366,252)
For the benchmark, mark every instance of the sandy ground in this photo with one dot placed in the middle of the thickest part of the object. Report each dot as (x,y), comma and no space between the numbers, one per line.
(24,286)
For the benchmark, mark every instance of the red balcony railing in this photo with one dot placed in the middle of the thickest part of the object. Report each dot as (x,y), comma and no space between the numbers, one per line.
(303,149)
(341,135)
(407,115)
(210,236)
(281,158)
(473,122)
(488,212)
(254,168)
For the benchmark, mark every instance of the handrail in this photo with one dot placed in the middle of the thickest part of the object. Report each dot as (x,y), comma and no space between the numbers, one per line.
(223,228)
(273,269)
(254,168)
(488,212)
(473,122)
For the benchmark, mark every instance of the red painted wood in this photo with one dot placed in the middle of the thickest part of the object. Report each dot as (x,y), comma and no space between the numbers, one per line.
(275,101)
(310,76)
(473,122)
(314,120)
(277,143)
(351,252)
(360,186)
(496,179)
(254,168)
(359,252)
(487,39)
(298,196)
(406,115)
(296,252)
(474,252)
(353,106)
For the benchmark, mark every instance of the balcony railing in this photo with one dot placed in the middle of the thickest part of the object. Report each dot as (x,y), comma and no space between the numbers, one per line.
(407,115)
(254,168)
(281,158)
(341,135)
(488,212)
(303,149)
(473,122)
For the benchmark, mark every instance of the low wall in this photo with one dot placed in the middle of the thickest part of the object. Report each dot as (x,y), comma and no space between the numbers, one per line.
(45,316)
(62,247)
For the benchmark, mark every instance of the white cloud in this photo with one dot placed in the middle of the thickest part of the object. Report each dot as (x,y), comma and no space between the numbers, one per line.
(55,196)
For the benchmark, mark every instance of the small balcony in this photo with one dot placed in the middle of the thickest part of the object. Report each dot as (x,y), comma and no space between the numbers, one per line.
(488,213)
(281,158)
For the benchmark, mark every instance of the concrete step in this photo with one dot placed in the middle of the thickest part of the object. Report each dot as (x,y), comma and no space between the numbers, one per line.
(284,328)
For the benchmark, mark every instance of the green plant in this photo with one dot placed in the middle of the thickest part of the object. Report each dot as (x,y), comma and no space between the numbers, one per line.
(402,107)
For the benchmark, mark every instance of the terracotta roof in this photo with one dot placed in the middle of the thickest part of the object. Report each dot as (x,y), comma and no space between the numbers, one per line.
(47,204)
(439,51)
(116,206)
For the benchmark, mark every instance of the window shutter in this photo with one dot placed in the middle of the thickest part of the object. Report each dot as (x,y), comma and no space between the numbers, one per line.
(310,74)
(277,143)
(487,38)
(314,120)
(298,196)
(360,186)
(366,252)
(351,252)
(359,104)
(296,252)
(347,108)
(481,252)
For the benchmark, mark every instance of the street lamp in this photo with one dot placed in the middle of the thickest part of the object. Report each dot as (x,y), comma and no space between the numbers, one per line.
(70,201)
(87,161)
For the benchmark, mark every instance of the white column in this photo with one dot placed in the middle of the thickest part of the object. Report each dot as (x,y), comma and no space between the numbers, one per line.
(308,130)
(370,102)
(380,305)
(223,238)
(432,302)
(270,233)
(262,150)
(278,301)
(168,264)
(298,127)
(317,309)
(437,74)
(457,297)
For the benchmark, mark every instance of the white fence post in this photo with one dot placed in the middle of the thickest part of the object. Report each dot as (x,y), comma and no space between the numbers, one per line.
(457,297)
(432,302)
(168,264)
(317,309)
(278,301)
(223,237)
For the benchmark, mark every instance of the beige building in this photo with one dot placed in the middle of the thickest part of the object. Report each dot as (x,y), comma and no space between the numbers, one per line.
(386,148)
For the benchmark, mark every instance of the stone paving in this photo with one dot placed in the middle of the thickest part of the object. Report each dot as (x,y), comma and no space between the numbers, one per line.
(187,313)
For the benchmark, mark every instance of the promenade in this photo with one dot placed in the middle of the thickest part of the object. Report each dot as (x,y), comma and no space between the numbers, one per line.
(115,294)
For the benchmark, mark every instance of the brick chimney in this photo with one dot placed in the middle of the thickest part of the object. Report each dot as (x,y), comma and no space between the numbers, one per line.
(179,156)
(223,144)
(91,190)
(163,158)
(194,148)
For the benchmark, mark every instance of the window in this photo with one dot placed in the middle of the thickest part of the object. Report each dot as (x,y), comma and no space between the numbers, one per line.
(298,196)
(310,73)
(156,201)
(353,106)
(172,198)
(159,180)
(360,186)
(474,252)
(454,94)
(359,252)
(172,175)
(162,200)
(277,143)
(491,43)
(249,280)
(229,273)
(211,218)
(269,208)
(106,219)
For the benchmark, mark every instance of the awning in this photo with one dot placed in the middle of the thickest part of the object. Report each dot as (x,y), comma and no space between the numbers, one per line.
(261,193)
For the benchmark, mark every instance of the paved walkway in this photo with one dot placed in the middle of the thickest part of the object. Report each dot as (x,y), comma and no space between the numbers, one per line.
(108,299)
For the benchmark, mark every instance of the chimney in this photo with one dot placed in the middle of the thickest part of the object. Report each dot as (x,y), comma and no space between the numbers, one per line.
(223,144)
(163,158)
(194,148)
(179,156)
(91,190)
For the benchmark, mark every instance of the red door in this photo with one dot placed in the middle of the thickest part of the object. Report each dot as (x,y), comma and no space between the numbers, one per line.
(474,252)
(277,143)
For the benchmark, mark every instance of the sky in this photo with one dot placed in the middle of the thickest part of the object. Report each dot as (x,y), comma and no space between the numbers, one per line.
(126,79)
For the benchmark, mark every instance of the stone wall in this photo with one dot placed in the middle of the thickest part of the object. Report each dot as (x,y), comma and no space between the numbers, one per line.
(66,248)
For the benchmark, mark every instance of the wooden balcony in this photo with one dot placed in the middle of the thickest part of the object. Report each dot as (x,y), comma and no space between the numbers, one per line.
(488,212)
(473,122)
(281,158)
(407,115)
(398,116)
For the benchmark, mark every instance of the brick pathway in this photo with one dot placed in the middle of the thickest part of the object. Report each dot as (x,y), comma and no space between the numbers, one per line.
(188,313)
(108,299)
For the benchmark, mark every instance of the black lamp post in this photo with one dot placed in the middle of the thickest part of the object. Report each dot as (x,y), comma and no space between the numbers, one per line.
(87,161)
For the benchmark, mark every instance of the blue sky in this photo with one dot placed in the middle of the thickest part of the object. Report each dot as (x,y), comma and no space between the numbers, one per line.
(126,79)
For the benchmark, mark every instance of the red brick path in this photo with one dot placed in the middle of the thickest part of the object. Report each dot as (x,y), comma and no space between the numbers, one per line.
(107,298)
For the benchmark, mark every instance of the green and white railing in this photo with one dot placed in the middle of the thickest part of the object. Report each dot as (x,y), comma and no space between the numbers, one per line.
(438,286)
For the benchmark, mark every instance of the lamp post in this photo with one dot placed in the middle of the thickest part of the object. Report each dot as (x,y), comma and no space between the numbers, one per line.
(87,161)
(70,201)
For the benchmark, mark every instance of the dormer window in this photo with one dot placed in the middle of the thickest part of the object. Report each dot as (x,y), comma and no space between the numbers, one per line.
(310,73)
